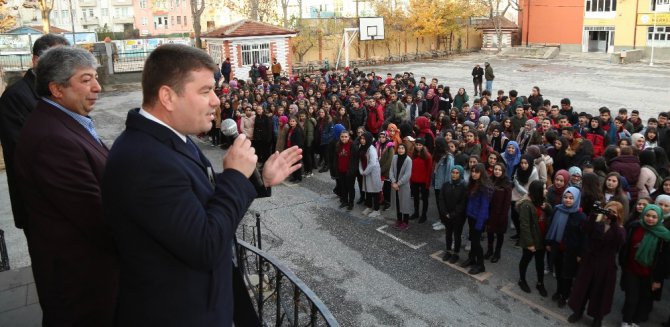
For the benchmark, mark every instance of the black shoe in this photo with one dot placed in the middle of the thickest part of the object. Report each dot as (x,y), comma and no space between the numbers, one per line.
(524,286)
(386,206)
(323,170)
(467,263)
(562,302)
(350,207)
(575,317)
(477,269)
(597,322)
(488,254)
(360,201)
(514,237)
(555,296)
(422,219)
(454,258)
(413,216)
(447,256)
(343,204)
(540,288)
(495,258)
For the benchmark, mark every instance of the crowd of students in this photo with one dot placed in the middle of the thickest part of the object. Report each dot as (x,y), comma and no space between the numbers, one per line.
(586,194)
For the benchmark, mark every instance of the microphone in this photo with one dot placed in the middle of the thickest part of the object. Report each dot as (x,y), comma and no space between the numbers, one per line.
(229,130)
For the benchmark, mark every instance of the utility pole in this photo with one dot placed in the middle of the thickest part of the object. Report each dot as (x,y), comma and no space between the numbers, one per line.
(74,39)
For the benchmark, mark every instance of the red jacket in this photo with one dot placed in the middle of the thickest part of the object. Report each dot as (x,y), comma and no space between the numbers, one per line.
(599,142)
(375,119)
(422,169)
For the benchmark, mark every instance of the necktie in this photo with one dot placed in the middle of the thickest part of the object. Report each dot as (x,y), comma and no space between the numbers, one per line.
(193,148)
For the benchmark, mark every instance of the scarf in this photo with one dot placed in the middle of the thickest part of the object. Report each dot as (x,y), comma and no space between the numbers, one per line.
(523,175)
(574,170)
(400,162)
(566,179)
(560,219)
(461,173)
(512,160)
(647,249)
(424,127)
(393,129)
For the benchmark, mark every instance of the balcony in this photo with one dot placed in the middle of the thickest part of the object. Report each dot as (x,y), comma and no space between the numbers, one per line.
(88,3)
(89,21)
(122,2)
(123,20)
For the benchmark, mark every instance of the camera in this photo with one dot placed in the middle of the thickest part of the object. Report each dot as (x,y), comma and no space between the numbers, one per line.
(600,210)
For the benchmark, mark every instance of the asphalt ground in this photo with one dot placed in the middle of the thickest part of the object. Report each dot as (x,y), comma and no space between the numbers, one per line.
(371,275)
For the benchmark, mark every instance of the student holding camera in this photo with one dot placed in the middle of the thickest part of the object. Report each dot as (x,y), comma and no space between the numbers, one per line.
(597,275)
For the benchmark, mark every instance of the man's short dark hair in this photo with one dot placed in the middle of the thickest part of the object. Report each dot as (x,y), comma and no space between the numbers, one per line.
(663,114)
(567,128)
(623,111)
(171,65)
(565,101)
(513,93)
(546,102)
(636,112)
(603,110)
(47,41)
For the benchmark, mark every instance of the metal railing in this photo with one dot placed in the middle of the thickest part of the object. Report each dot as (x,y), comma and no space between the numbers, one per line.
(17,62)
(279,296)
(4,259)
(132,61)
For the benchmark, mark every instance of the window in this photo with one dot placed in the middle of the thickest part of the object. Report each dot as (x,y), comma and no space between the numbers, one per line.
(601,5)
(178,20)
(662,33)
(90,13)
(171,20)
(104,12)
(144,21)
(662,3)
(185,20)
(143,4)
(255,53)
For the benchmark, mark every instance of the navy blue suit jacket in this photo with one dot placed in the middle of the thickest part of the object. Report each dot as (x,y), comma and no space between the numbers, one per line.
(174,226)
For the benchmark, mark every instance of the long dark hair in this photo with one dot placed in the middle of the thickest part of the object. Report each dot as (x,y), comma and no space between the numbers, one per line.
(503,180)
(483,183)
(591,191)
(536,192)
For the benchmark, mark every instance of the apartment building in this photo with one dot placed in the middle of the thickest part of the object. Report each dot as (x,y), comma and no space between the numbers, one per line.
(162,17)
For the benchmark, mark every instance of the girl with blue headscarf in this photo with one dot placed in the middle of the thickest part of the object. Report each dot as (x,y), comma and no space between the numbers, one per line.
(644,259)
(564,240)
(512,157)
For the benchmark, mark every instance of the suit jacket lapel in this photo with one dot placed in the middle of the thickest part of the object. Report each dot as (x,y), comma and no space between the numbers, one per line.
(74,126)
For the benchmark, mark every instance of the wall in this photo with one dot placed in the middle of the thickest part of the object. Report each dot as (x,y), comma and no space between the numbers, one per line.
(471,40)
(550,21)
(220,49)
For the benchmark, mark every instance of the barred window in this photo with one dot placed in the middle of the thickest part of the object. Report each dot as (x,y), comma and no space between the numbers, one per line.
(255,53)
(662,33)
(600,5)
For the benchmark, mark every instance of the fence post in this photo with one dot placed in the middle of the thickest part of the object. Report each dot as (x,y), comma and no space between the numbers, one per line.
(110,58)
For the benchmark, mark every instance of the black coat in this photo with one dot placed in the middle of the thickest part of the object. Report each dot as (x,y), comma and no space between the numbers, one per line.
(174,223)
(453,199)
(16,103)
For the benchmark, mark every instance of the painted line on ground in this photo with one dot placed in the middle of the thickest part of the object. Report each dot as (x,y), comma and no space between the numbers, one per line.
(415,247)
(479,277)
(507,289)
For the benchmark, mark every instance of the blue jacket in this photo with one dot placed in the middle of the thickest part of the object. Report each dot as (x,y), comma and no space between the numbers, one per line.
(478,207)
(442,173)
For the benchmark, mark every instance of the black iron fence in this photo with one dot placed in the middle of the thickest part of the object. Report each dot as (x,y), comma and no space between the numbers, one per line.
(4,259)
(279,296)
(132,61)
(17,62)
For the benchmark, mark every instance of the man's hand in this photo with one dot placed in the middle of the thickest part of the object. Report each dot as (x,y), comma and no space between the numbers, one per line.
(280,165)
(531,248)
(241,156)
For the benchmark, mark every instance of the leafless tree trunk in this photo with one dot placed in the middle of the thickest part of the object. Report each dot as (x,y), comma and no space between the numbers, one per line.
(196,12)
(284,9)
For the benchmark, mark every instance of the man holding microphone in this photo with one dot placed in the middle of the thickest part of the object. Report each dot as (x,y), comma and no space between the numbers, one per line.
(172,217)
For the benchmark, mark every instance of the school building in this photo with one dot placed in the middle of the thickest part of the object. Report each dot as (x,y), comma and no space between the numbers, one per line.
(598,25)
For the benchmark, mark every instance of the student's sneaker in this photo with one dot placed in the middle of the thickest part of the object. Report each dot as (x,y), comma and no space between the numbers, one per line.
(374,214)
(439,226)
(436,223)
(366,211)
(397,224)
(309,174)
(404,226)
(468,246)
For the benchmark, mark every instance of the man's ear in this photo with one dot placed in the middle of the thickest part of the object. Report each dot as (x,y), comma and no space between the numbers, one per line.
(56,90)
(166,96)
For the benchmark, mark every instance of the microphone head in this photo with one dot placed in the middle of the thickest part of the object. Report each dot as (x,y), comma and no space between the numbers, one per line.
(229,128)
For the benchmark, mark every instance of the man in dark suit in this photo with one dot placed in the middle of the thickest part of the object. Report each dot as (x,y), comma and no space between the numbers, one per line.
(172,217)
(16,103)
(59,166)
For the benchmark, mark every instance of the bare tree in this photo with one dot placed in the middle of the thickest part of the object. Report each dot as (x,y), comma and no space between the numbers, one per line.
(45,7)
(284,10)
(7,21)
(196,12)
(494,6)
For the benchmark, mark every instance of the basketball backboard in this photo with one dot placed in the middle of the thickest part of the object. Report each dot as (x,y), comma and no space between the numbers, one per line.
(371,28)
